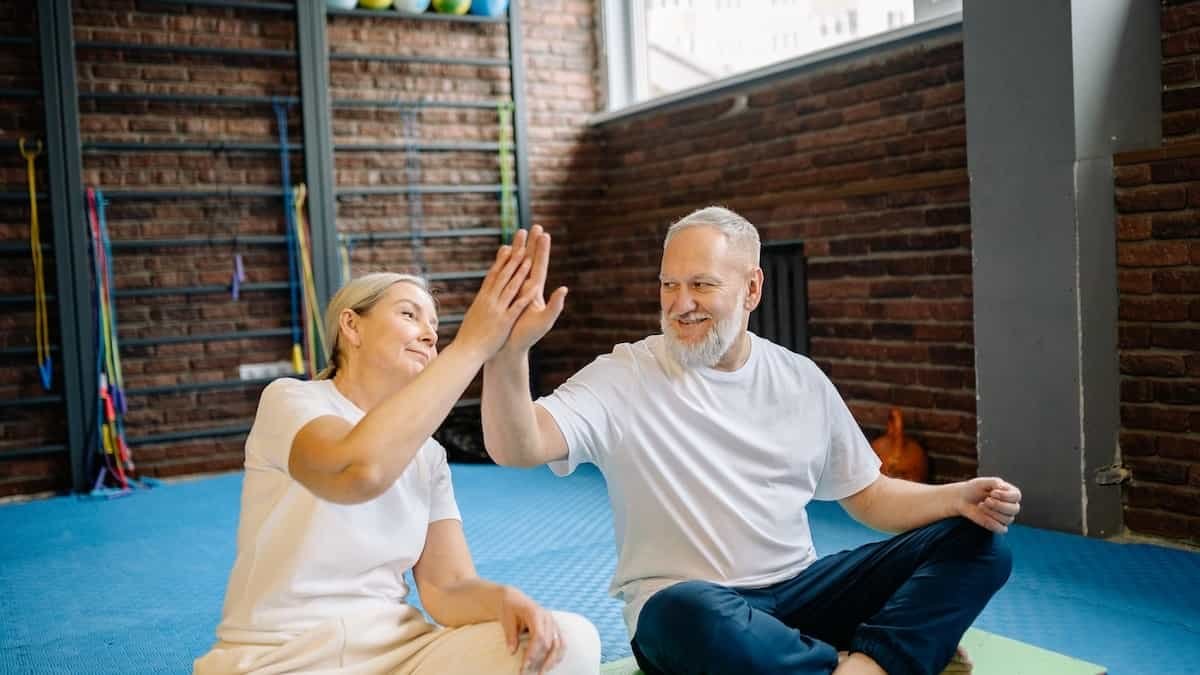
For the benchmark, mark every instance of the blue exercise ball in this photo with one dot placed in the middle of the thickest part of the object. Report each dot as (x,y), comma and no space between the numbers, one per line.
(412,6)
(488,7)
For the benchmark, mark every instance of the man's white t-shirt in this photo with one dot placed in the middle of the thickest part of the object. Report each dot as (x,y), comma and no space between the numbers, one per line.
(709,471)
(302,560)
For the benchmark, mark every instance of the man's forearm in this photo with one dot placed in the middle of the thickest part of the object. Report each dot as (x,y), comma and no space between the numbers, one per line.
(895,505)
(509,424)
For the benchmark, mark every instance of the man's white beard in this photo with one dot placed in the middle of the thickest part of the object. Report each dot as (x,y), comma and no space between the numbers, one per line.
(708,351)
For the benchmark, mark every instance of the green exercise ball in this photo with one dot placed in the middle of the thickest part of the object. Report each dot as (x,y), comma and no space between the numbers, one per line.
(451,6)
(375,4)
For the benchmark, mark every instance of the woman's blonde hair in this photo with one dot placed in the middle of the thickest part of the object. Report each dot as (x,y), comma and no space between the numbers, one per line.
(360,295)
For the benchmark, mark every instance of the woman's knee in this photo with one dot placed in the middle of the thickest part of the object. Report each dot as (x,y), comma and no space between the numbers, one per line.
(581,642)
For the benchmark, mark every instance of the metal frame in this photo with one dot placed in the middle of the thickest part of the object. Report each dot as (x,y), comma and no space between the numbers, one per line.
(61,95)
(417,189)
(184,98)
(209,146)
(207,337)
(19,93)
(225,193)
(522,191)
(424,16)
(424,60)
(73,278)
(410,103)
(372,237)
(197,290)
(184,387)
(233,4)
(189,50)
(318,137)
(36,451)
(246,240)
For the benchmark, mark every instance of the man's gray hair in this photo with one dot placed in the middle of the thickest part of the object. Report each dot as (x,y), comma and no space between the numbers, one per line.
(739,232)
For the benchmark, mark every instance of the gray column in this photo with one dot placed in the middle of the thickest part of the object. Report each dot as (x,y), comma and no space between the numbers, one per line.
(1053,89)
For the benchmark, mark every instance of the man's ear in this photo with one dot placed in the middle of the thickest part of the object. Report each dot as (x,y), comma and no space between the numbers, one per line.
(754,288)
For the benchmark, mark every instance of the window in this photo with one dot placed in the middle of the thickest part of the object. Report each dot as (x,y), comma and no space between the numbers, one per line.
(657,48)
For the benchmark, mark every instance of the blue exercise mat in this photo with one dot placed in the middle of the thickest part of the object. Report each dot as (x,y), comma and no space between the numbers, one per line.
(135,585)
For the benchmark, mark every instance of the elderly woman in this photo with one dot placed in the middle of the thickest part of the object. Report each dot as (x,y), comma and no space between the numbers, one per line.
(345,491)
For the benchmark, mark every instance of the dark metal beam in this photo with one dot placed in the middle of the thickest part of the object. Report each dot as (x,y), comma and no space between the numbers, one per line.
(177,436)
(248,240)
(209,146)
(189,50)
(207,337)
(312,43)
(196,290)
(185,387)
(30,401)
(223,193)
(427,146)
(37,451)
(19,196)
(20,93)
(191,99)
(424,16)
(73,275)
(371,237)
(233,4)
(524,192)
(418,103)
(426,60)
(414,189)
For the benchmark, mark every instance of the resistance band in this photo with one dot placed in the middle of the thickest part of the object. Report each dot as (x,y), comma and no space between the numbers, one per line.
(314,331)
(507,218)
(45,363)
(111,401)
(285,169)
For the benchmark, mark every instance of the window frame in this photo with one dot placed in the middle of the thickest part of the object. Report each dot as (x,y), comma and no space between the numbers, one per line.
(625,77)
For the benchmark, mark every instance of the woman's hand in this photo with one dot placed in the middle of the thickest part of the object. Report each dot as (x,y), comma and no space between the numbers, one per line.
(520,614)
(490,318)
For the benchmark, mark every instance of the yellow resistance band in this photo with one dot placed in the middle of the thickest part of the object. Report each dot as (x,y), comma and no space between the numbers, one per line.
(309,287)
(40,320)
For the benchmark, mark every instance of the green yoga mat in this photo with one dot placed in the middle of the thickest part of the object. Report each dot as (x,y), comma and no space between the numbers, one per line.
(992,655)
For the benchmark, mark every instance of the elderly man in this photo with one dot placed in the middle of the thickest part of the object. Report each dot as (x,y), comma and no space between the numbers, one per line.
(712,441)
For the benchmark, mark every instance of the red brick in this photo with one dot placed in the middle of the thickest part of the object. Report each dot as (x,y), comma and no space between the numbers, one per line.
(1156,309)
(1132,228)
(1152,198)
(1135,282)
(1158,471)
(1185,225)
(1154,418)
(1153,254)
(1152,364)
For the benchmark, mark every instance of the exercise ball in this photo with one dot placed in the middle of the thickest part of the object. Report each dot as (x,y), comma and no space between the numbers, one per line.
(412,6)
(341,4)
(375,4)
(488,7)
(451,6)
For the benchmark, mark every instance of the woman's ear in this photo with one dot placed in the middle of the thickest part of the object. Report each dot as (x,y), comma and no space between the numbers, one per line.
(348,326)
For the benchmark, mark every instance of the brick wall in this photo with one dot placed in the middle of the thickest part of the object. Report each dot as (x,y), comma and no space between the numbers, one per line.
(39,424)
(560,58)
(866,162)
(1158,201)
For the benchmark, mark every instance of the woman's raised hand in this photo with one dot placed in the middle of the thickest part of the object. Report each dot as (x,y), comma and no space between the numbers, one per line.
(499,301)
